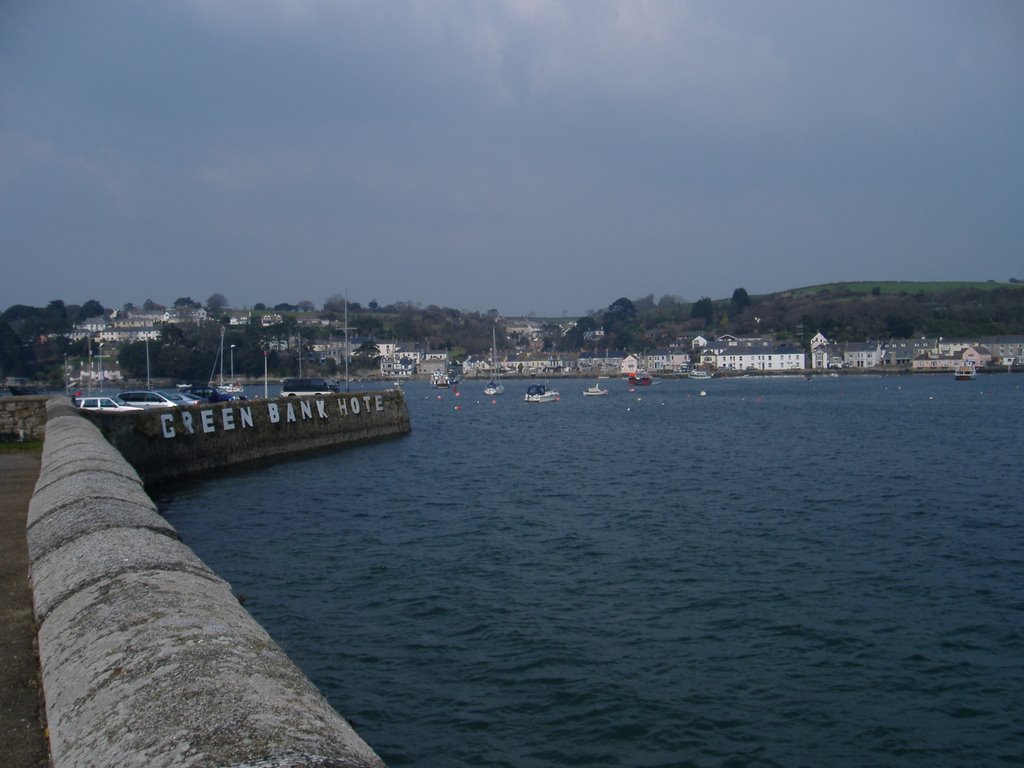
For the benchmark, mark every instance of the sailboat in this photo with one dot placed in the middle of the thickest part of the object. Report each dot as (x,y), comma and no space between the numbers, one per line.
(230,386)
(494,386)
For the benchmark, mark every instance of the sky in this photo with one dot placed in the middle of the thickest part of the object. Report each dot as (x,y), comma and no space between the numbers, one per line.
(529,156)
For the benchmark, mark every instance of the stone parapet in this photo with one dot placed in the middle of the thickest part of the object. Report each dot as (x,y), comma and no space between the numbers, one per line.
(22,418)
(164,444)
(147,657)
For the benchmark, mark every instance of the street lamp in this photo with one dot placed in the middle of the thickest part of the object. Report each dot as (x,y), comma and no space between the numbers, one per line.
(100,358)
(232,364)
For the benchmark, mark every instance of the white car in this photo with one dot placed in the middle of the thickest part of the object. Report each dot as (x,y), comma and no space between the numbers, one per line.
(104,404)
(150,398)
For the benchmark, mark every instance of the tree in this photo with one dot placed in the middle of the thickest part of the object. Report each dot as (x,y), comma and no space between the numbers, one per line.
(620,312)
(367,355)
(575,337)
(740,301)
(306,305)
(186,301)
(335,304)
(216,303)
(703,308)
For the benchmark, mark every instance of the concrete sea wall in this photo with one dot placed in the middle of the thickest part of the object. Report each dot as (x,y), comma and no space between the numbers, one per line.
(162,444)
(147,657)
(22,418)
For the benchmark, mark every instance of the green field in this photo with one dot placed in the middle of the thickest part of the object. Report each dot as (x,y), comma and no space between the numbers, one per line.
(901,287)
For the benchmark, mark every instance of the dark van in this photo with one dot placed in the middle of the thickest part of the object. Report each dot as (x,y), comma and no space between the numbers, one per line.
(301,387)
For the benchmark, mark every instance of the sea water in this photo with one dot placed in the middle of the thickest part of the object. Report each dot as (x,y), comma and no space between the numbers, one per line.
(741,572)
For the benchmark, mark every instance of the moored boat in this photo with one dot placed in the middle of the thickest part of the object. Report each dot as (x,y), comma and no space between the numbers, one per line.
(596,390)
(965,372)
(640,379)
(699,373)
(538,393)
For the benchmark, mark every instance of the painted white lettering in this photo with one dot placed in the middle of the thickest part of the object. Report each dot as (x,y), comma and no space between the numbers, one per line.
(246,414)
(343,406)
(366,400)
(167,424)
(306,408)
(186,421)
(273,413)
(206,417)
(354,404)
(320,411)
(379,402)
(290,413)
(228,417)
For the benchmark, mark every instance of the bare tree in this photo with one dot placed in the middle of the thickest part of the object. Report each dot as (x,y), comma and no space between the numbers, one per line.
(216,303)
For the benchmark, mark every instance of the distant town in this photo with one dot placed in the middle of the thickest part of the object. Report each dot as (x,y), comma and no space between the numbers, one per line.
(211,342)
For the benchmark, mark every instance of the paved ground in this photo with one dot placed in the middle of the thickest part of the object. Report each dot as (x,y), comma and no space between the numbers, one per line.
(22,718)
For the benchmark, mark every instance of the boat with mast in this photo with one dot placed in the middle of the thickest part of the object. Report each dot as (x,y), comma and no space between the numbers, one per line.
(494,386)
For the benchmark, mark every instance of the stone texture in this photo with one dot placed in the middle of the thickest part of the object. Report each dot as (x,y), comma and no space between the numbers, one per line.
(22,418)
(147,657)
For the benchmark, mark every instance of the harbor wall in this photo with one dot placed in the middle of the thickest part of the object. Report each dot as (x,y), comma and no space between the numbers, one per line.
(164,444)
(22,418)
(147,657)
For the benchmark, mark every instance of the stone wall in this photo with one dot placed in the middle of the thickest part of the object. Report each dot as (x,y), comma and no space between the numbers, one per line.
(22,418)
(162,444)
(147,657)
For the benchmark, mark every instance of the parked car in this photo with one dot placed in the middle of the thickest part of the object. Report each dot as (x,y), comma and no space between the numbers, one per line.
(104,404)
(151,398)
(211,394)
(293,387)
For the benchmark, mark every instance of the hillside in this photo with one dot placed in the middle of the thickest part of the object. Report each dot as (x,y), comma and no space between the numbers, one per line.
(880,310)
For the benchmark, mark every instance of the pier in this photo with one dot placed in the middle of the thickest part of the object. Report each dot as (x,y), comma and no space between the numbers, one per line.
(145,655)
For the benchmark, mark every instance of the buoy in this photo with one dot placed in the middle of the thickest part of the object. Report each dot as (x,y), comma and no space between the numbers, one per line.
(703,393)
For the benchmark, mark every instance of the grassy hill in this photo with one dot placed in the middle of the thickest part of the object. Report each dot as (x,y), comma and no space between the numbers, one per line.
(883,309)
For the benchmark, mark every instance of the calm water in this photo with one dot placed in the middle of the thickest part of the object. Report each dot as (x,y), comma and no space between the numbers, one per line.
(781,573)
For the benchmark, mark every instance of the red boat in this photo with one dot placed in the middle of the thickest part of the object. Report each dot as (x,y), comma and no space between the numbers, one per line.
(640,379)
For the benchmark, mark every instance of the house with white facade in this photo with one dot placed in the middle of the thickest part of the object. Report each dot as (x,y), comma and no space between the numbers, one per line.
(732,354)
(861,354)
(667,361)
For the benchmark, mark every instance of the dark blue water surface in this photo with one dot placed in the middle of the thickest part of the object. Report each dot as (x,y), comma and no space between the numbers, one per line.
(779,573)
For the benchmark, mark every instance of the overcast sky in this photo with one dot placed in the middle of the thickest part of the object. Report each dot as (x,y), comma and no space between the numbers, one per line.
(523,155)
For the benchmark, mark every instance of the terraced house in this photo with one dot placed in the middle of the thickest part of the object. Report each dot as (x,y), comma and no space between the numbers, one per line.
(729,353)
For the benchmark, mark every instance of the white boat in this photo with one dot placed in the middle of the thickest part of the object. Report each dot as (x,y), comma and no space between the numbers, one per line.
(538,393)
(595,391)
(965,372)
(440,380)
(699,373)
(494,386)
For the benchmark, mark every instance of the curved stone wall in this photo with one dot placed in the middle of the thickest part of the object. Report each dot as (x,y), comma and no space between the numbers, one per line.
(163,444)
(147,657)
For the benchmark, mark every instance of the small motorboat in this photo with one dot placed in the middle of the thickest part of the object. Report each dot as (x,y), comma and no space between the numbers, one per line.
(538,393)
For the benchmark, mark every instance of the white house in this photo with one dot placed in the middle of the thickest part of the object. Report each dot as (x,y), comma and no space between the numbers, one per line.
(731,354)
(862,354)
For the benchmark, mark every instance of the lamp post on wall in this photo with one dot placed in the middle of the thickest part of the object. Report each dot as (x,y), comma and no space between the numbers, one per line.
(232,364)
(100,357)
